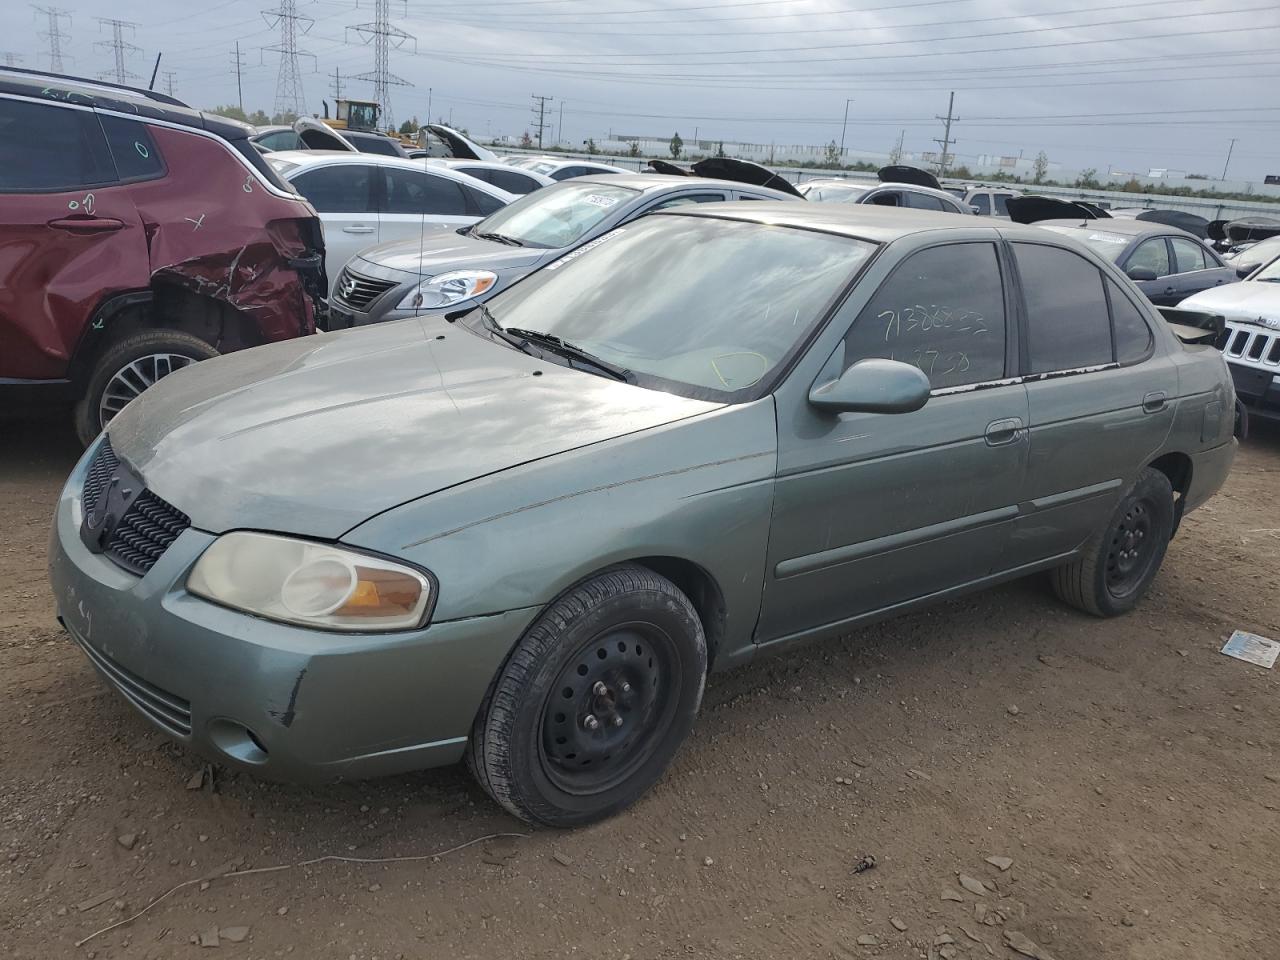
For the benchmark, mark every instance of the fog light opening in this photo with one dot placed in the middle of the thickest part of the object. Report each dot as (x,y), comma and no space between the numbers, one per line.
(237,741)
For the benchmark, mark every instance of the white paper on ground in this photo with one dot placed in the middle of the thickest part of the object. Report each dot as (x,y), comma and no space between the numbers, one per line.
(1252,648)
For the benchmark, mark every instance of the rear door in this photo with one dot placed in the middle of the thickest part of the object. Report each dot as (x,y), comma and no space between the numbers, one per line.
(414,200)
(70,236)
(1153,255)
(344,194)
(1100,398)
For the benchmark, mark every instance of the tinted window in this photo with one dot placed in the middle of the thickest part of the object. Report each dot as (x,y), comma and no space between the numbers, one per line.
(922,201)
(1189,255)
(727,311)
(1133,336)
(983,202)
(890,199)
(337,189)
(481,202)
(567,173)
(688,198)
(1002,204)
(281,140)
(513,182)
(51,148)
(135,153)
(1067,324)
(1151,255)
(410,191)
(379,145)
(942,309)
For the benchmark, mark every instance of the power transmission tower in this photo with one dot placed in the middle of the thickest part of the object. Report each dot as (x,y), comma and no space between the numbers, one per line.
(540,115)
(237,64)
(53,33)
(290,97)
(119,46)
(168,80)
(383,35)
(946,142)
(11,59)
(337,82)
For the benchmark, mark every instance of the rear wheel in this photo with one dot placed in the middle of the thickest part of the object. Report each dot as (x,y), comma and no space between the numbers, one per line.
(1122,559)
(594,702)
(128,368)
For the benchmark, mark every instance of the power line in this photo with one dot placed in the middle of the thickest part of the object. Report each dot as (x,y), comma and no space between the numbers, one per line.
(53,33)
(383,35)
(290,96)
(119,47)
(540,115)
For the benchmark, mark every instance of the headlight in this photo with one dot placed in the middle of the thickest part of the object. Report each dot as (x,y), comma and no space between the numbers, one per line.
(312,584)
(448,289)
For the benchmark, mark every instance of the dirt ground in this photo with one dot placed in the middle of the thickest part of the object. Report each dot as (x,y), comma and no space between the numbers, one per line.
(1129,770)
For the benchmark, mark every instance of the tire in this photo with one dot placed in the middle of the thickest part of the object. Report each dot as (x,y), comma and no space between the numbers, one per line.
(624,649)
(1120,561)
(152,354)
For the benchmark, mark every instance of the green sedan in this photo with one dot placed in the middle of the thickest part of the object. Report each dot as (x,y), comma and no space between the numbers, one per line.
(522,535)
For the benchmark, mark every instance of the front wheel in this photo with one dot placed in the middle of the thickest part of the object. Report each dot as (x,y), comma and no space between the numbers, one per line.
(128,368)
(1120,561)
(592,705)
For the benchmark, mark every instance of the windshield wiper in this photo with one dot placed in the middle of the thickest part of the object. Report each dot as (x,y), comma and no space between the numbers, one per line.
(570,351)
(499,238)
(491,322)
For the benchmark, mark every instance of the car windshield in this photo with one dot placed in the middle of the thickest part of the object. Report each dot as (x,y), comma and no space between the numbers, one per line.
(1256,254)
(555,217)
(282,167)
(835,193)
(1109,245)
(700,306)
(1270,273)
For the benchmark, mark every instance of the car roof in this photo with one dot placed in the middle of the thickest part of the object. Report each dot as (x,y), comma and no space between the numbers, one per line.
(651,182)
(1122,226)
(858,220)
(300,160)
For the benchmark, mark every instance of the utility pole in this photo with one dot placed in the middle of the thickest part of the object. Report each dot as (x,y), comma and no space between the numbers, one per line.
(540,112)
(53,33)
(11,59)
(946,141)
(429,120)
(119,47)
(290,97)
(843,125)
(560,126)
(337,82)
(897,150)
(237,64)
(1230,149)
(168,80)
(383,35)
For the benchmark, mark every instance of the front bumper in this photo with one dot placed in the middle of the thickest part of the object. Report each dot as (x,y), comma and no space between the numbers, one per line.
(281,701)
(1258,388)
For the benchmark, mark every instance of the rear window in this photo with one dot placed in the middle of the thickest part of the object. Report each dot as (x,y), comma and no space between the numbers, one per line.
(379,145)
(1068,324)
(43,147)
(135,154)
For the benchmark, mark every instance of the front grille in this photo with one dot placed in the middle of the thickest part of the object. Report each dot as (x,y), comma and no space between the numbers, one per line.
(358,291)
(145,532)
(1259,345)
(149,525)
(167,709)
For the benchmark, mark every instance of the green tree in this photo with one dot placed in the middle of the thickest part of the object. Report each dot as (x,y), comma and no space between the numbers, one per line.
(409,127)
(1088,179)
(1041,167)
(634,149)
(285,118)
(720,149)
(591,146)
(259,118)
(231,111)
(831,155)
(676,146)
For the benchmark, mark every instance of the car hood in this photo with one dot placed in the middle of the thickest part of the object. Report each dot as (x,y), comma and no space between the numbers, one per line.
(440,251)
(1255,300)
(316,435)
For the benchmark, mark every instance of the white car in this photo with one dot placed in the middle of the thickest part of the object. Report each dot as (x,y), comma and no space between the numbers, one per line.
(1251,343)
(566,169)
(501,175)
(365,199)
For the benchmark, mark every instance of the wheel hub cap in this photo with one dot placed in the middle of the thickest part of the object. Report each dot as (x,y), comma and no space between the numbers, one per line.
(133,378)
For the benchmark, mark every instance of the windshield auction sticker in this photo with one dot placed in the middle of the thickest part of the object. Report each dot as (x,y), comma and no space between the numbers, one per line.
(599,201)
(574,255)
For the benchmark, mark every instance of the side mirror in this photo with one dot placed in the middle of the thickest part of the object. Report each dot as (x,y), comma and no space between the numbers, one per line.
(976,210)
(874,386)
(1243,272)
(1141,273)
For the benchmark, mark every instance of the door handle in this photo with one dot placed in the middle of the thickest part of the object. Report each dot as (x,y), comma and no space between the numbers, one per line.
(1000,432)
(1154,402)
(87,224)
(1169,290)
(357,229)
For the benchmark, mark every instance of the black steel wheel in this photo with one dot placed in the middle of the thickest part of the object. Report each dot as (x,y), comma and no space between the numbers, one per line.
(1118,563)
(594,701)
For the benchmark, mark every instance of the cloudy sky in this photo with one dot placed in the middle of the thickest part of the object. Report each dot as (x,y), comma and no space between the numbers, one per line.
(1125,86)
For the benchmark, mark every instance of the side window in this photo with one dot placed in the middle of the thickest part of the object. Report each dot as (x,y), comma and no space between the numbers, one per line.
(282,140)
(567,173)
(1151,255)
(685,200)
(135,153)
(942,309)
(411,191)
(343,188)
(889,198)
(1133,336)
(1002,204)
(983,202)
(1067,321)
(922,201)
(513,182)
(51,148)
(1188,255)
(481,202)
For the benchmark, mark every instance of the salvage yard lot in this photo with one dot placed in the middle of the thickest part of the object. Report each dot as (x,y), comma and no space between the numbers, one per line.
(1129,770)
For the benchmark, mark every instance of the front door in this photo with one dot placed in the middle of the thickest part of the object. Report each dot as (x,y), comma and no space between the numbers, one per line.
(873,510)
(414,201)
(1100,405)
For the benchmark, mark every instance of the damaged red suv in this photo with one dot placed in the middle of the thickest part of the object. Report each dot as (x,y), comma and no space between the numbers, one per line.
(137,236)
